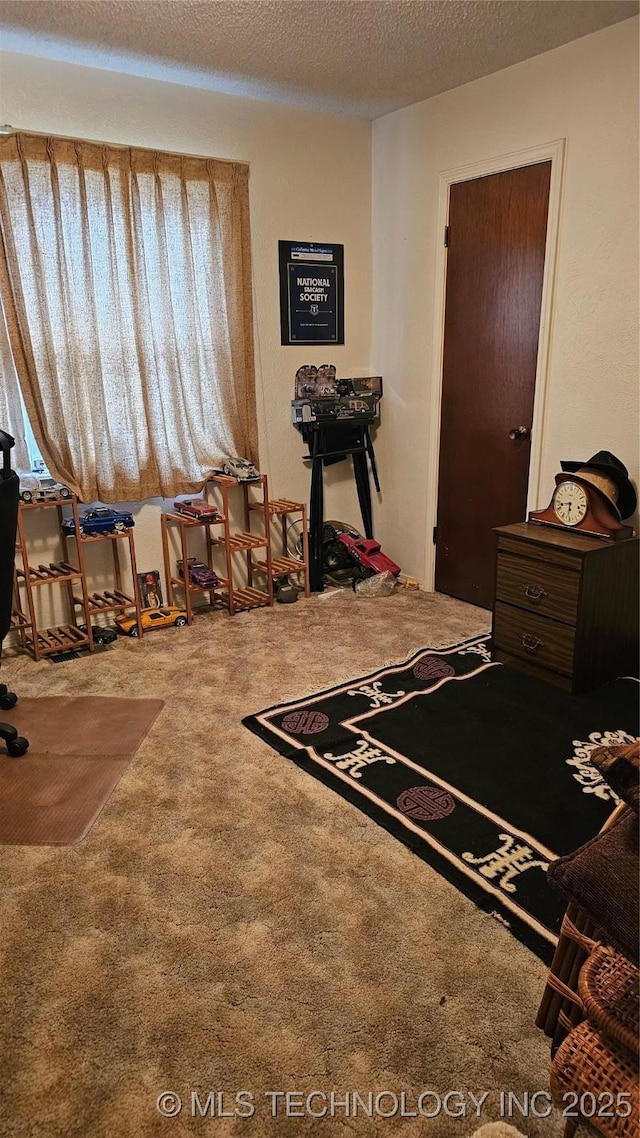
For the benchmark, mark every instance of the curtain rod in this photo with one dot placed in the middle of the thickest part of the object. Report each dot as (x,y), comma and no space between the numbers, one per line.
(6,130)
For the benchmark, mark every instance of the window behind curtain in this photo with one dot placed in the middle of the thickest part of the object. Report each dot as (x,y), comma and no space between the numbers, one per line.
(126,281)
(13,415)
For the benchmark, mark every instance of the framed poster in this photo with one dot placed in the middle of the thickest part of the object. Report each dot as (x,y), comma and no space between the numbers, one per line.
(311,293)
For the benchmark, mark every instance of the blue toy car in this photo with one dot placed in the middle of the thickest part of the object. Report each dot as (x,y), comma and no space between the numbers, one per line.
(100,520)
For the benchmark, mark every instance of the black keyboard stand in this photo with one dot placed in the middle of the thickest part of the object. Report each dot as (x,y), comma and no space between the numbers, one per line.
(357,444)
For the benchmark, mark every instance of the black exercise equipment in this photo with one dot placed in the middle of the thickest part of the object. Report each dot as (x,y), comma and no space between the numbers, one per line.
(9,496)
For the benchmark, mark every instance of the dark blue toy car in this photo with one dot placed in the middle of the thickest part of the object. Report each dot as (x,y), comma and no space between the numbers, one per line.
(101,520)
(102,634)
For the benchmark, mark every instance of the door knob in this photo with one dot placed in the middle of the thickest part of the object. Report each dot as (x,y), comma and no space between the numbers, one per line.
(519,433)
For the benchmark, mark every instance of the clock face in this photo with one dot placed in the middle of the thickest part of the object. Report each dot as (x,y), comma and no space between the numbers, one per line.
(570,503)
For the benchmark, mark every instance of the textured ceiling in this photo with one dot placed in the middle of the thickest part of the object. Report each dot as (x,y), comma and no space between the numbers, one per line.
(358,57)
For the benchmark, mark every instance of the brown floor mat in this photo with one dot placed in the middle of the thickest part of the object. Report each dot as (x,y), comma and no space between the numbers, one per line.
(79,749)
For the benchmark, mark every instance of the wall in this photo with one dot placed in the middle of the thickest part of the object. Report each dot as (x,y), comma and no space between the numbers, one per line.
(310,180)
(585,92)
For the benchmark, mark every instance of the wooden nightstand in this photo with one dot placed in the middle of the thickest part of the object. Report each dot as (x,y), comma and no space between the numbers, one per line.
(566,605)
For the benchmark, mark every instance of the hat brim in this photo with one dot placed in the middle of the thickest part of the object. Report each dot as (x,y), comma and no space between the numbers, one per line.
(627,498)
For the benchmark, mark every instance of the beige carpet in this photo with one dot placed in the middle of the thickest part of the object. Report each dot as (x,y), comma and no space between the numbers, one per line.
(232,924)
(79,749)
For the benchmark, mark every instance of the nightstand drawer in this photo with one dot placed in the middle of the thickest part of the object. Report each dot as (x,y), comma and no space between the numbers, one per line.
(548,643)
(538,586)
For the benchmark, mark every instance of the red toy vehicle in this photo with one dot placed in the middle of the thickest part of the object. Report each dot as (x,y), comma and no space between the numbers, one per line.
(368,555)
(197,508)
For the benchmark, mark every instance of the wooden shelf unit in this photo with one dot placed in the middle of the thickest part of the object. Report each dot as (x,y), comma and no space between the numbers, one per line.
(116,600)
(63,637)
(240,598)
(256,547)
(185,526)
(20,620)
(284,565)
(82,604)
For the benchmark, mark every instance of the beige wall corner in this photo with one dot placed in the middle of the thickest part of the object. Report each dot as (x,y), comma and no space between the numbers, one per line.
(587,94)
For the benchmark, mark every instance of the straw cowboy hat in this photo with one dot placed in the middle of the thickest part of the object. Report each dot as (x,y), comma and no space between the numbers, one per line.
(604,471)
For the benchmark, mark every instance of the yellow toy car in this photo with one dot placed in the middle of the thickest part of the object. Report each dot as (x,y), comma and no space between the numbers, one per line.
(152,618)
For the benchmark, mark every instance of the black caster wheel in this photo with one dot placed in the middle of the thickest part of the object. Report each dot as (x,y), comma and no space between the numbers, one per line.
(18,746)
(8,699)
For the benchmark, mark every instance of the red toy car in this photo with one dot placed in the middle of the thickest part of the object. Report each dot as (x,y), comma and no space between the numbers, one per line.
(368,555)
(198,508)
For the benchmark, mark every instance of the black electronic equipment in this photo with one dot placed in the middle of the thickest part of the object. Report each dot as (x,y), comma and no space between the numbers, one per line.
(322,398)
(333,416)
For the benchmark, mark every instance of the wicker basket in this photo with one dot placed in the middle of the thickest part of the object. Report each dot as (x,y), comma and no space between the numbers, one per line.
(561,1007)
(597,1071)
(609,988)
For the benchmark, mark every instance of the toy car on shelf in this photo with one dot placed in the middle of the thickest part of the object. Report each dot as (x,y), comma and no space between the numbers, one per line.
(199,574)
(100,520)
(197,508)
(152,618)
(102,634)
(240,468)
(35,488)
(368,555)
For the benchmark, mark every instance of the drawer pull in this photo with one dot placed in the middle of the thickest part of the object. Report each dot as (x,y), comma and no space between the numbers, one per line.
(531,643)
(534,593)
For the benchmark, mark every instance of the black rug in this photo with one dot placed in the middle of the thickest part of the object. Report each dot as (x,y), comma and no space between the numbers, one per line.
(481,770)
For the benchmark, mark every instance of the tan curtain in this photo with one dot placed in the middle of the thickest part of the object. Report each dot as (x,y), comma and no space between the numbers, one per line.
(126,281)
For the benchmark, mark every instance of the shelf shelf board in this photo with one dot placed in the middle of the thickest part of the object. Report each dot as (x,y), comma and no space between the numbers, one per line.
(106,602)
(225,478)
(87,538)
(193,588)
(279,506)
(46,574)
(243,542)
(19,620)
(58,639)
(281,565)
(248,598)
(185,520)
(41,505)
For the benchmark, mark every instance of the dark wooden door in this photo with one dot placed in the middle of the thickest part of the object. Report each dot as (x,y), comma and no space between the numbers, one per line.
(495,265)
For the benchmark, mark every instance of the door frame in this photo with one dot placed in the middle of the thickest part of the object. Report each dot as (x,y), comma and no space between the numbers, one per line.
(554,151)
